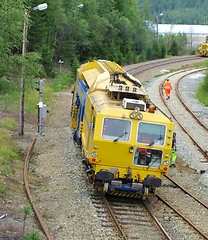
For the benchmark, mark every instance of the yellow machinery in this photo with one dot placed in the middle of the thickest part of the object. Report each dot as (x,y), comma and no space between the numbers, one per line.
(203,48)
(125,140)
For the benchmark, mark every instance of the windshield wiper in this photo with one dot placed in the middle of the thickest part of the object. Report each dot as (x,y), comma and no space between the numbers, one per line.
(152,143)
(116,139)
(152,163)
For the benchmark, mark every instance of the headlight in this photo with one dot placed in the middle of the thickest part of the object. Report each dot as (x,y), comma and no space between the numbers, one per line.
(133,115)
(94,154)
(166,163)
(140,116)
(137,109)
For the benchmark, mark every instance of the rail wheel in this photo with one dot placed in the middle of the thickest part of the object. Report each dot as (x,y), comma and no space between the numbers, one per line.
(146,192)
(105,187)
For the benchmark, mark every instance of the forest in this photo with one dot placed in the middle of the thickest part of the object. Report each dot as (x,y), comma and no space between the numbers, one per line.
(179,12)
(70,32)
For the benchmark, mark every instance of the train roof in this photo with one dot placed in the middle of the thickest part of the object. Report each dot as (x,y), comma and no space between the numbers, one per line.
(109,86)
(101,74)
(104,105)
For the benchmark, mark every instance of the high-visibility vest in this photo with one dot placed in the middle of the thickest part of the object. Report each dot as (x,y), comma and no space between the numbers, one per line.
(173,156)
(167,85)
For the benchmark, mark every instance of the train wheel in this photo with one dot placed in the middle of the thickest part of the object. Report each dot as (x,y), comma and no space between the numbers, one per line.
(146,192)
(105,187)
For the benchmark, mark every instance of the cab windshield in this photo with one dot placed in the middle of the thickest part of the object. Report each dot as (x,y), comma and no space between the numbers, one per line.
(151,133)
(116,129)
(147,157)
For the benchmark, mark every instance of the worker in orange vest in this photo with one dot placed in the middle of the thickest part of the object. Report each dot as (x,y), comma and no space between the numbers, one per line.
(167,87)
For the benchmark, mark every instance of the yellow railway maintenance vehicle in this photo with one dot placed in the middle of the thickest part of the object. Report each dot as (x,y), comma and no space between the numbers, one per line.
(125,140)
(203,48)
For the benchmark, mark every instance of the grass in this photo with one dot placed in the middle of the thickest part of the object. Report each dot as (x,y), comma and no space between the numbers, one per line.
(9,152)
(202,91)
(201,64)
(2,189)
(9,103)
(8,123)
(61,82)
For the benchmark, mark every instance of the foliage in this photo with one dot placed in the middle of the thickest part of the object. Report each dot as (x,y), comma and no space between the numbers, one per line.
(202,91)
(174,48)
(10,38)
(26,210)
(179,12)
(31,236)
(8,123)
(8,149)
(2,189)
(63,31)
(62,82)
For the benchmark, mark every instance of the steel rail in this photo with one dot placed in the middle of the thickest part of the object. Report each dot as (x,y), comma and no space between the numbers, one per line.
(156,221)
(112,215)
(173,115)
(183,217)
(151,65)
(26,164)
(187,192)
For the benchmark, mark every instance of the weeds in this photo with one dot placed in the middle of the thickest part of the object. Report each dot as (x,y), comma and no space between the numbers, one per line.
(8,123)
(8,148)
(26,210)
(62,82)
(31,236)
(2,189)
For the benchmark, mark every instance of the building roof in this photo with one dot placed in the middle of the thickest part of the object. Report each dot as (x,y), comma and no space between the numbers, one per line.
(182,28)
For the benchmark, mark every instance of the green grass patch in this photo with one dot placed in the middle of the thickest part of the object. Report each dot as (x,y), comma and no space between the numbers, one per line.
(2,189)
(32,99)
(10,100)
(202,91)
(61,82)
(8,123)
(201,64)
(8,152)
(31,236)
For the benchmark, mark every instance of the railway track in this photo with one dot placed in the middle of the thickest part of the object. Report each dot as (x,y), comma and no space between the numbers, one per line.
(131,218)
(136,219)
(27,188)
(154,67)
(185,112)
(178,223)
(191,210)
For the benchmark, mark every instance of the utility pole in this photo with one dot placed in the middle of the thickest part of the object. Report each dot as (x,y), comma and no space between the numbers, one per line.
(74,21)
(40,7)
(157,23)
(22,95)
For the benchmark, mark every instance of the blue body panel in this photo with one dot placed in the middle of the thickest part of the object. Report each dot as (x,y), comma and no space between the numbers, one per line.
(80,102)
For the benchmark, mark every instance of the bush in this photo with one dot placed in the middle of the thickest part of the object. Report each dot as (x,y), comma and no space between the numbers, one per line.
(6,85)
(31,236)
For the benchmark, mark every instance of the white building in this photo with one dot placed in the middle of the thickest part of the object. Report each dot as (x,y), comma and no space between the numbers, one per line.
(196,33)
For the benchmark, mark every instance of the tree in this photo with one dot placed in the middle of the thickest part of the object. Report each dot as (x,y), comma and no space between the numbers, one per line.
(174,47)
(11,25)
